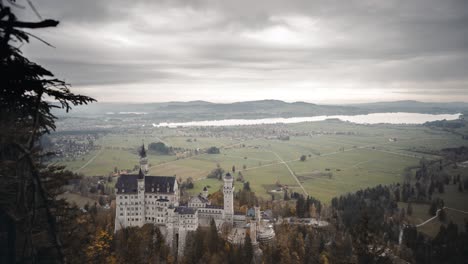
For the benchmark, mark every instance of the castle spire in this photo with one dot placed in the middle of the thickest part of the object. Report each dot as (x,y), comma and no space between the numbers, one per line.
(142,151)
(141,175)
(143,159)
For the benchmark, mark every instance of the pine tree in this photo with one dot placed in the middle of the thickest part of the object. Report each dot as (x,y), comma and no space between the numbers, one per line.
(247,249)
(442,215)
(300,206)
(409,209)
(440,187)
(28,189)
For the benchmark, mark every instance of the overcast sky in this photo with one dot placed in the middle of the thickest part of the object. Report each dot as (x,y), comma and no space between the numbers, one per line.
(235,50)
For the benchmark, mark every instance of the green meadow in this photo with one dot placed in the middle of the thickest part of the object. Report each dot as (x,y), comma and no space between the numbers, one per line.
(341,157)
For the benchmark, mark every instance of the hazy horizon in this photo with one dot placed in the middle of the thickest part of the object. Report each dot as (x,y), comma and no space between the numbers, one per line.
(271,99)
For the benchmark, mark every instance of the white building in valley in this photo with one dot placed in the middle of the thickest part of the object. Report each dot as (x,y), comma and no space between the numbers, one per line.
(143,199)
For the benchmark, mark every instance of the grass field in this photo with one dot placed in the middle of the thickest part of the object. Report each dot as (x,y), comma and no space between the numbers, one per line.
(343,157)
(452,199)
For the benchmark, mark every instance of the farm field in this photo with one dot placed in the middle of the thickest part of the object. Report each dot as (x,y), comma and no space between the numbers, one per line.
(341,157)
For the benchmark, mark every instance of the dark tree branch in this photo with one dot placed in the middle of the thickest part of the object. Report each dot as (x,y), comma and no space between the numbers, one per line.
(41,40)
(21,24)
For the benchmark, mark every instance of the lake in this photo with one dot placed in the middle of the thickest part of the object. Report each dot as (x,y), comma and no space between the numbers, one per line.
(376,118)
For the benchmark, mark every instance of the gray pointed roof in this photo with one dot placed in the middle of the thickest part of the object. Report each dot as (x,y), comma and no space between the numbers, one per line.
(128,183)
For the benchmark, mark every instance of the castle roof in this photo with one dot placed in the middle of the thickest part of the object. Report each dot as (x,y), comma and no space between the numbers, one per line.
(203,199)
(185,210)
(128,183)
(213,206)
(200,199)
(228,176)
(165,184)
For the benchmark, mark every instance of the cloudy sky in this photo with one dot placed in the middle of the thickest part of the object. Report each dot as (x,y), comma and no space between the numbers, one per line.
(223,50)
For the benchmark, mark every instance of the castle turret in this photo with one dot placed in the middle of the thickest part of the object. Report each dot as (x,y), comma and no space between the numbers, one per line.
(205,193)
(228,191)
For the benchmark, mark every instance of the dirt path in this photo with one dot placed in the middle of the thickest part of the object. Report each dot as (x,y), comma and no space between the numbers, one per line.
(437,214)
(292,173)
(89,161)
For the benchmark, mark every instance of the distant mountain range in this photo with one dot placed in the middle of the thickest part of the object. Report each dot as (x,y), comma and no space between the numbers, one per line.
(202,110)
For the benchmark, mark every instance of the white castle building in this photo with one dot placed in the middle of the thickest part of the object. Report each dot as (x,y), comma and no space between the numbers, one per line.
(143,199)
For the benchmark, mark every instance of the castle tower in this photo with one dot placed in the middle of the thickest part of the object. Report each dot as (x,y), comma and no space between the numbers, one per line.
(143,160)
(258,216)
(253,233)
(141,198)
(228,191)
(170,228)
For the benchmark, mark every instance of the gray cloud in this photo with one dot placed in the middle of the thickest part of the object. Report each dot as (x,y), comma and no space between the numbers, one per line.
(394,49)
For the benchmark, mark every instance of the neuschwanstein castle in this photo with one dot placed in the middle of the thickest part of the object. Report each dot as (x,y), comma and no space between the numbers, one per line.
(143,199)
